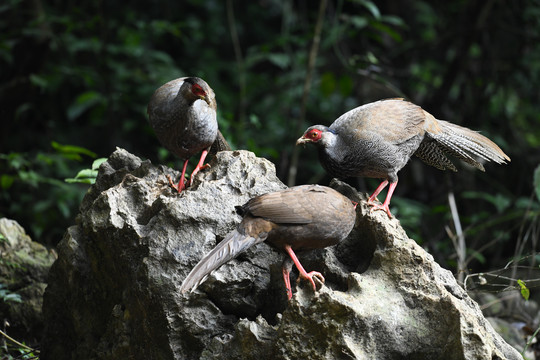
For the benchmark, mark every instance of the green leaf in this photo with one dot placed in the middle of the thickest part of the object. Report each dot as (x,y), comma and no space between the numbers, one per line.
(373,9)
(6,181)
(84,102)
(523,289)
(38,81)
(15,160)
(478,256)
(6,295)
(31,177)
(85,176)
(72,150)
(254,120)
(388,30)
(500,201)
(393,20)
(280,60)
(370,57)
(13,298)
(97,163)
(359,22)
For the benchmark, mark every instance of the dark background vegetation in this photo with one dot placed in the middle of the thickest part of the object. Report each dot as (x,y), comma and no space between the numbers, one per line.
(75,79)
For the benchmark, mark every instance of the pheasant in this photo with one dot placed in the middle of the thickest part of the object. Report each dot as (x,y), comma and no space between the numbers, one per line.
(300,218)
(183,115)
(377,140)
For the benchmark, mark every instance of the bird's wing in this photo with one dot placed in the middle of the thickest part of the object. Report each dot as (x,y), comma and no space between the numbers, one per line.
(161,101)
(290,206)
(395,120)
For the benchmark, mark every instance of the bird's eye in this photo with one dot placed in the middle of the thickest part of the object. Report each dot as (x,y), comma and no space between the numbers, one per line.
(314,134)
(198,90)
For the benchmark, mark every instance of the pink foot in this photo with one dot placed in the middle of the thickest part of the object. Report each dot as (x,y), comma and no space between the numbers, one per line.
(182,183)
(384,207)
(200,166)
(287,281)
(311,276)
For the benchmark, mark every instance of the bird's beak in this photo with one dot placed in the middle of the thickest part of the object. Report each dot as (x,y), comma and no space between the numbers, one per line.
(302,140)
(205,98)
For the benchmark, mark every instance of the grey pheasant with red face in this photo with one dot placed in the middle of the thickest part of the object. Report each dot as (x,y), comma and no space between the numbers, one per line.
(300,218)
(376,140)
(183,115)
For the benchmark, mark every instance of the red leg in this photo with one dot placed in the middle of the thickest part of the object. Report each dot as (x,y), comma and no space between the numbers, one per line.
(303,274)
(181,184)
(199,166)
(381,186)
(287,281)
(386,205)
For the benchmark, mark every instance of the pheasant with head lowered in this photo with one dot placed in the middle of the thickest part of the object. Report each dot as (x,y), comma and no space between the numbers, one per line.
(376,140)
(300,218)
(183,115)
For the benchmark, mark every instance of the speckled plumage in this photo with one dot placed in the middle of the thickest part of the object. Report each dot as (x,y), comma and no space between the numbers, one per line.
(184,124)
(183,115)
(302,217)
(378,139)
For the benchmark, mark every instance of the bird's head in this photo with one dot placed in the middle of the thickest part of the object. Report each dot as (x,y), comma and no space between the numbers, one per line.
(197,88)
(317,135)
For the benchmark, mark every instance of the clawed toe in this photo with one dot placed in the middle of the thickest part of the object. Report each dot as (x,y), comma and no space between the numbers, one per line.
(311,277)
(381,207)
(181,185)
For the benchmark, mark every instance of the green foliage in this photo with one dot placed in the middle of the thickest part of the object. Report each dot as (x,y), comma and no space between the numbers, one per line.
(501,202)
(33,189)
(72,152)
(87,176)
(13,349)
(6,295)
(523,289)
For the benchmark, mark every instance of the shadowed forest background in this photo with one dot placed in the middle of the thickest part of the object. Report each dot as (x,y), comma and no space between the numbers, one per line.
(76,77)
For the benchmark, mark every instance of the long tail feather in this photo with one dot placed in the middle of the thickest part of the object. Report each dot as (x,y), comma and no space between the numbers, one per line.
(230,247)
(465,144)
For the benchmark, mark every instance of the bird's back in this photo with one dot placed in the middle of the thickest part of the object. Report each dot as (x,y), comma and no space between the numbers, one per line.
(393,121)
(305,217)
(375,140)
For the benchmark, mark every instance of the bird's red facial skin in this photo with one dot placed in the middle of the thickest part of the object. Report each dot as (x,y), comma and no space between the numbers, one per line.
(313,135)
(197,90)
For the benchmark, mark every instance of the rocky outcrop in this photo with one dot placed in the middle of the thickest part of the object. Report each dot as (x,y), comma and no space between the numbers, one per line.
(112,292)
(24,265)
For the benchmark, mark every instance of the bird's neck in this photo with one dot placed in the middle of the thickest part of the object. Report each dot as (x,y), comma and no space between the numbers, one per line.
(332,147)
(183,101)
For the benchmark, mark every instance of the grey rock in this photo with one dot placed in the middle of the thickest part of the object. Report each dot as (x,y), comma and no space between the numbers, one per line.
(112,292)
(24,265)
